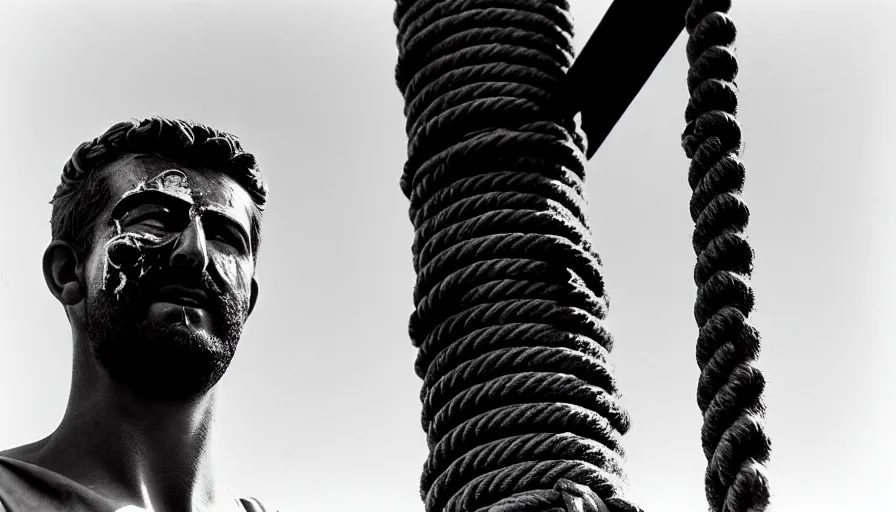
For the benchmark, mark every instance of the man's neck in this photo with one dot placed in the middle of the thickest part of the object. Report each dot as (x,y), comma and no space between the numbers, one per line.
(134,451)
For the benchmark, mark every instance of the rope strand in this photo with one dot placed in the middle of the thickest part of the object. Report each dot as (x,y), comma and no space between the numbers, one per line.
(520,405)
(729,391)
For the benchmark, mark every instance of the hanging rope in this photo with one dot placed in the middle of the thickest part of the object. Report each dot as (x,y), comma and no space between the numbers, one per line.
(519,404)
(729,392)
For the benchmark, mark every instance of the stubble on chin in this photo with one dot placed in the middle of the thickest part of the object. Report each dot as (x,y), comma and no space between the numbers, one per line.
(157,360)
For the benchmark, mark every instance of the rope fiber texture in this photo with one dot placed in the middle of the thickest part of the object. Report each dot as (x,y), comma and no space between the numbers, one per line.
(520,405)
(729,392)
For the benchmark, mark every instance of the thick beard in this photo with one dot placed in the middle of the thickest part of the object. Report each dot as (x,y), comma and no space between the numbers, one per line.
(160,361)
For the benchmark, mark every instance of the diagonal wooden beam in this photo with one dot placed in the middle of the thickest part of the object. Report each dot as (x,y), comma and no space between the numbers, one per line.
(620,56)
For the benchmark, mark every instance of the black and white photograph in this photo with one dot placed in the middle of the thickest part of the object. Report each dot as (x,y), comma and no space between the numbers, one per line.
(447,256)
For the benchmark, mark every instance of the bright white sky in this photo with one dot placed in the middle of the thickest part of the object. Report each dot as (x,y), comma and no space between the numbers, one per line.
(320,409)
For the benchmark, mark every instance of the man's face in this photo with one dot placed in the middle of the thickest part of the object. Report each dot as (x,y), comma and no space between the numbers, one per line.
(170,277)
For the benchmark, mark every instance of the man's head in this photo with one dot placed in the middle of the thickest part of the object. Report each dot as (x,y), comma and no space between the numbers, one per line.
(156,228)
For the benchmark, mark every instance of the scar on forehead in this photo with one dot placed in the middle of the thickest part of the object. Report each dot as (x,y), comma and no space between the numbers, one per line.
(172,181)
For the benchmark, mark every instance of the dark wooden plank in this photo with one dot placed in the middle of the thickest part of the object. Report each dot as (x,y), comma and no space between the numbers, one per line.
(620,56)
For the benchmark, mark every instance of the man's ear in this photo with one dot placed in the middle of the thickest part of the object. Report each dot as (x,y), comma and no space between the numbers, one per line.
(254,295)
(60,272)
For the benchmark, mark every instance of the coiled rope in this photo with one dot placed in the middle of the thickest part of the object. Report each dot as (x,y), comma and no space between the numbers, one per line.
(729,392)
(519,404)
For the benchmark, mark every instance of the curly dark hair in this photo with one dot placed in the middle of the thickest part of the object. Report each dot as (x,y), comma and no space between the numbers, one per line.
(83,192)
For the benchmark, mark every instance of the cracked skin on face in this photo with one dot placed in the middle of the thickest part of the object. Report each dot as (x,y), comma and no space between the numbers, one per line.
(170,281)
(129,255)
(133,252)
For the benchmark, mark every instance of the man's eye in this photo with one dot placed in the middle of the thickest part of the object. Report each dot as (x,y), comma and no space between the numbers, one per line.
(225,236)
(153,221)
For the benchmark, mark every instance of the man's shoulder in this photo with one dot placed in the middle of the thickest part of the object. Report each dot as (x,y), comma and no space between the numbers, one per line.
(26,486)
(24,483)
(23,452)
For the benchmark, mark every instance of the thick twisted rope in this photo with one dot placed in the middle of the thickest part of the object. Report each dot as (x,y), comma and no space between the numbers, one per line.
(729,392)
(519,404)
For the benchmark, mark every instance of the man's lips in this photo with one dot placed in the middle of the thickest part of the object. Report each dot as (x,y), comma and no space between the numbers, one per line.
(183,296)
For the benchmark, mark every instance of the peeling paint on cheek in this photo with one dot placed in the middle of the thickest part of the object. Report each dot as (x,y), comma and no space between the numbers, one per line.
(128,257)
(231,272)
(131,255)
(234,277)
(228,266)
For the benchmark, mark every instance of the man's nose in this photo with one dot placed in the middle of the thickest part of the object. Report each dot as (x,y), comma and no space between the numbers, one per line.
(190,250)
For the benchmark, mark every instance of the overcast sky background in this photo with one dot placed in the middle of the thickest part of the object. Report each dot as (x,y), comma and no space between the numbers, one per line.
(320,409)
